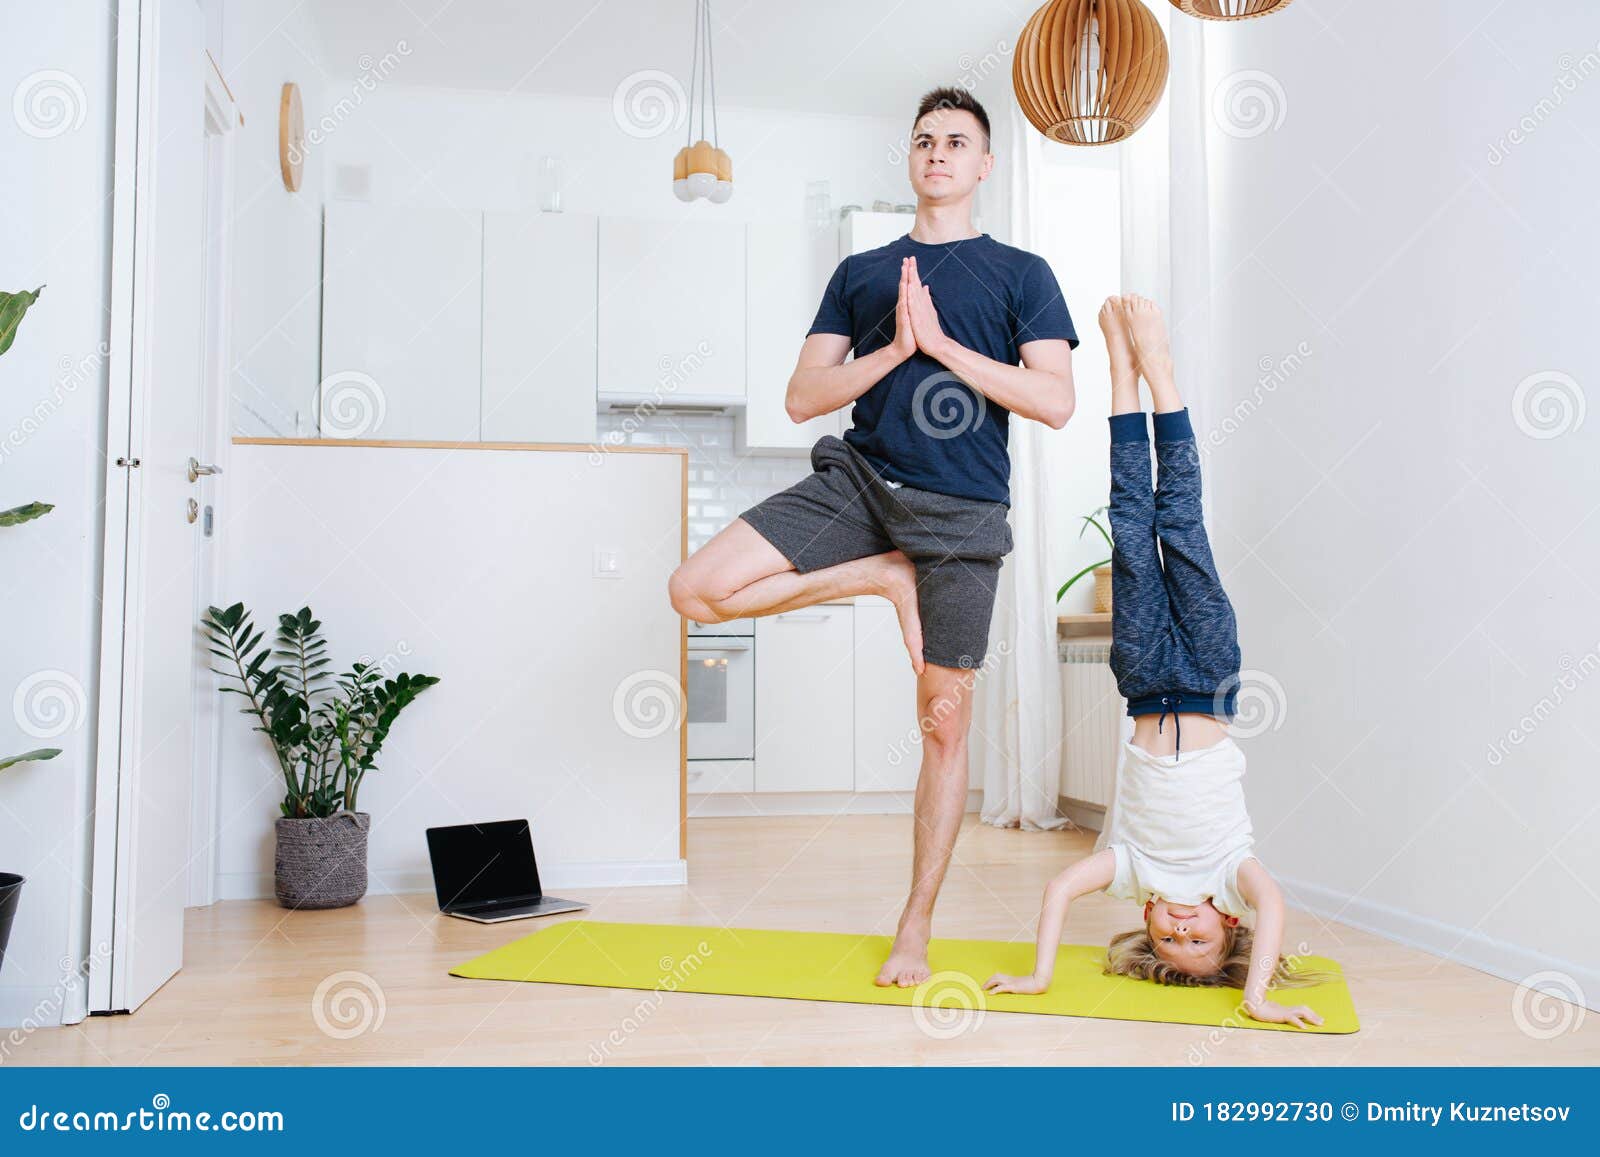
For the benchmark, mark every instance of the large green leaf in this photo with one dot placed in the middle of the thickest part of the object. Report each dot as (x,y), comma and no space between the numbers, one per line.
(12,307)
(38,753)
(20,514)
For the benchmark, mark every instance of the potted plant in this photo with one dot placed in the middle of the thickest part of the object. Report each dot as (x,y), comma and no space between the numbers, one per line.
(326,734)
(13,306)
(1101,570)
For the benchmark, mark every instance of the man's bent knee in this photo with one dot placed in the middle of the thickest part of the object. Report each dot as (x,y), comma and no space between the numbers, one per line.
(689,599)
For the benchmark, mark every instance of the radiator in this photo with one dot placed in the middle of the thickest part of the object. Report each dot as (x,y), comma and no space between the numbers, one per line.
(1092,722)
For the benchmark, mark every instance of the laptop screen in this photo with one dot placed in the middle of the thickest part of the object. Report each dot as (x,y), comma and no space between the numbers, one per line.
(477,863)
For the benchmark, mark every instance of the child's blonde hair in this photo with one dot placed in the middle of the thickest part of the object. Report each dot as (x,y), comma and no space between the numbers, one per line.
(1134,954)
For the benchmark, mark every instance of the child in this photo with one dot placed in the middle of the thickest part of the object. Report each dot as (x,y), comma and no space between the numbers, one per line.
(1178,838)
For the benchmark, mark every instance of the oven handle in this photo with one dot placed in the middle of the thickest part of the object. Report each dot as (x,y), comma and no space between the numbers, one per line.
(698,645)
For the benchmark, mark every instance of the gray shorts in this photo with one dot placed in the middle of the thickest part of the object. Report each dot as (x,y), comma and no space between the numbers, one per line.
(845,510)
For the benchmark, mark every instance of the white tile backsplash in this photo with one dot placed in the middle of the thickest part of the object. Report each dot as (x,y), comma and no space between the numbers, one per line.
(723,482)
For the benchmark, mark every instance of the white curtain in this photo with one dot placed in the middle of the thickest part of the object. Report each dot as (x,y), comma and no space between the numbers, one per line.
(1016,716)
(1166,250)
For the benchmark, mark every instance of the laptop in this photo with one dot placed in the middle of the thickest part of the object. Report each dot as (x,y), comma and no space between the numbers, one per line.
(486,872)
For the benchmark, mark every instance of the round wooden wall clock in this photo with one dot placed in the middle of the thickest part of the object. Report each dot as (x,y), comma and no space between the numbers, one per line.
(291,137)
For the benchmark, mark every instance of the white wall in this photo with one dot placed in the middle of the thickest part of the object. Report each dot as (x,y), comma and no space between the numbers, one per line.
(1412,567)
(55,231)
(475,566)
(277,235)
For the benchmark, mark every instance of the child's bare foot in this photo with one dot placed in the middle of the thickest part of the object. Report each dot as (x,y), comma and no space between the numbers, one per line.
(897,582)
(1153,349)
(907,965)
(1119,348)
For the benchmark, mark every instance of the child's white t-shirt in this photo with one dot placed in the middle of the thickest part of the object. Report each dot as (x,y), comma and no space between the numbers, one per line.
(1179,828)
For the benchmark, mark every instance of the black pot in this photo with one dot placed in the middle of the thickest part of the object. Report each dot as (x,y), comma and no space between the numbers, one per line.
(10,893)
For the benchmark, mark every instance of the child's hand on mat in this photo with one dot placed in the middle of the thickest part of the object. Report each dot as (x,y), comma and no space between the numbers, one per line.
(1301,1015)
(931,338)
(905,341)
(1025,985)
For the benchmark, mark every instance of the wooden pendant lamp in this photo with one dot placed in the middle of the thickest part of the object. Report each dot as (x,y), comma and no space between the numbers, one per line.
(703,168)
(1089,72)
(1229,9)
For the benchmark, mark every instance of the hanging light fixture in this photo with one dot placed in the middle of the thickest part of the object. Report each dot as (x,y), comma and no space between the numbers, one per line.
(1230,9)
(1089,72)
(702,169)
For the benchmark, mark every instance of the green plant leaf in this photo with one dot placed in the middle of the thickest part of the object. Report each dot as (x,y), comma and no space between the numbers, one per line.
(12,307)
(1066,586)
(38,753)
(17,515)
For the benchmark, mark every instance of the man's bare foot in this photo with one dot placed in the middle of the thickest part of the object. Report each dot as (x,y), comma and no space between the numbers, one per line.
(907,965)
(1119,348)
(1152,349)
(897,582)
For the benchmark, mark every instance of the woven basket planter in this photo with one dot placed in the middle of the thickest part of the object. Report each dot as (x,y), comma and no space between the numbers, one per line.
(322,863)
(1102,590)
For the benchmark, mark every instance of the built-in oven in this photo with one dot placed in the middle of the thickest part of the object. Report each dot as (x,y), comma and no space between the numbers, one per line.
(722,690)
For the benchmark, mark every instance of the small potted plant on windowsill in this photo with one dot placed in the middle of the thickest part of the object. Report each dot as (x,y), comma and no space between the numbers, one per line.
(1101,570)
(326,739)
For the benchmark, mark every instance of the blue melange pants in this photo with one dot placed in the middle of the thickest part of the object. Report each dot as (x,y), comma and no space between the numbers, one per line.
(1174,644)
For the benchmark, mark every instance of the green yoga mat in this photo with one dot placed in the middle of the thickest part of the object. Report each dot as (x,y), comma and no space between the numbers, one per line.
(837,966)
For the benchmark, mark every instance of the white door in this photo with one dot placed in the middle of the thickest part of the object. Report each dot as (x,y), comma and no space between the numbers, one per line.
(150,662)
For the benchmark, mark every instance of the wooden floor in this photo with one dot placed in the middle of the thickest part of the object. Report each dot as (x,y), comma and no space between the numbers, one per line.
(248,990)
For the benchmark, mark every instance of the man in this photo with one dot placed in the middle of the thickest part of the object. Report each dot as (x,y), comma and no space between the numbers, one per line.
(911,504)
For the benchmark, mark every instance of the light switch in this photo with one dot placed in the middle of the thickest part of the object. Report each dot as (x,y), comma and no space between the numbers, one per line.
(607,564)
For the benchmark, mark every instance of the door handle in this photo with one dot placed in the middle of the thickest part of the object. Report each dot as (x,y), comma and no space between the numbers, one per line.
(196,469)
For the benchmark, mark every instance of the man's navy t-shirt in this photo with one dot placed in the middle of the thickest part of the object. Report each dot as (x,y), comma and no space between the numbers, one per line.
(921,425)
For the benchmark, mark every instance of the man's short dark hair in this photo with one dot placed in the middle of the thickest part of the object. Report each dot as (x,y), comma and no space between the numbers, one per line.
(949,97)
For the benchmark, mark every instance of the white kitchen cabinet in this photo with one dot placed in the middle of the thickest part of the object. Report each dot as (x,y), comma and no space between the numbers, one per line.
(887,740)
(805,700)
(671,311)
(787,266)
(539,273)
(863,230)
(721,776)
(402,297)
